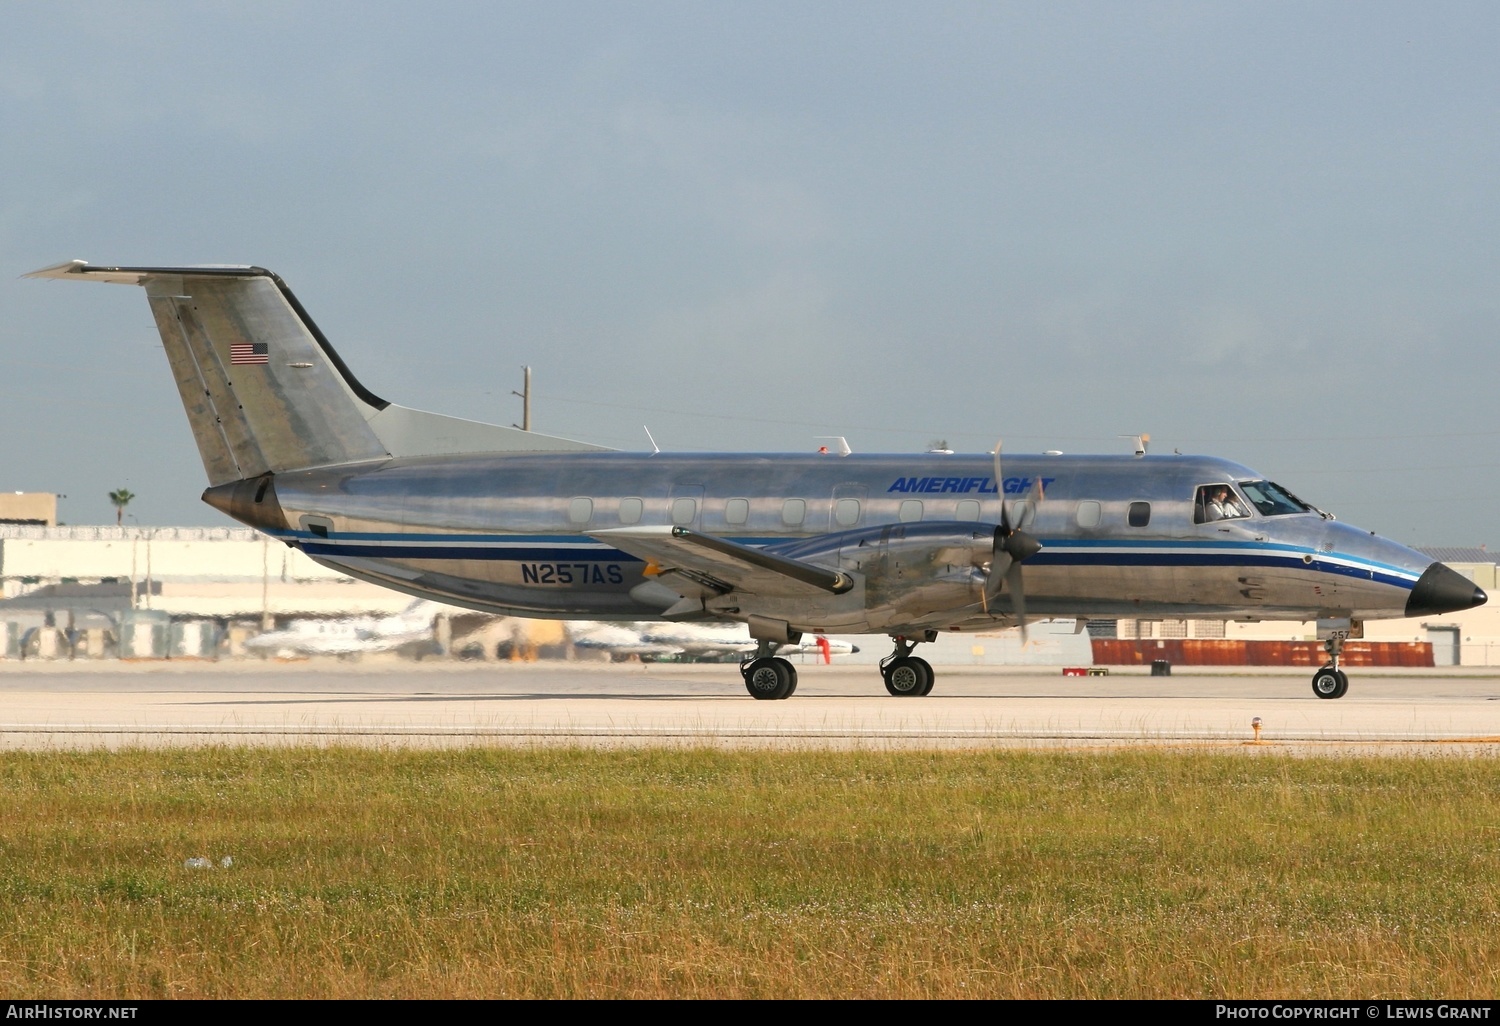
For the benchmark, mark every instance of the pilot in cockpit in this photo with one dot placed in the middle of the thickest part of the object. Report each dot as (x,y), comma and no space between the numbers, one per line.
(1217,502)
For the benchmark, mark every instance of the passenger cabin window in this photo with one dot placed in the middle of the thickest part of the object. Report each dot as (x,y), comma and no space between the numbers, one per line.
(846,512)
(684,510)
(1139,514)
(580,510)
(736,512)
(910,511)
(1273,500)
(1088,513)
(968,509)
(1217,502)
(793,512)
(630,511)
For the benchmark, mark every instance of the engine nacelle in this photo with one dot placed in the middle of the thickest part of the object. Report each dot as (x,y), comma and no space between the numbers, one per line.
(915,574)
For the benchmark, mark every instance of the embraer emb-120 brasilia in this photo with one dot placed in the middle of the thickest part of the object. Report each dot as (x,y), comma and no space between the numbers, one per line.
(515,522)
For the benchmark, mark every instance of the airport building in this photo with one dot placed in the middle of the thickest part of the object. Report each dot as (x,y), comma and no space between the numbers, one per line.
(183,571)
(198,592)
(159,592)
(34,509)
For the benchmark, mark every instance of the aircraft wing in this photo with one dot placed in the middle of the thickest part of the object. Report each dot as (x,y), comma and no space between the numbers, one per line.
(699,565)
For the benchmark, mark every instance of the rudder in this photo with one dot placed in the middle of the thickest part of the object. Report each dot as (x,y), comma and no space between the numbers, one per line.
(260,395)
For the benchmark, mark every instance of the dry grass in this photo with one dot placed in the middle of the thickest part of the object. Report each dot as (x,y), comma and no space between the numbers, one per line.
(568,873)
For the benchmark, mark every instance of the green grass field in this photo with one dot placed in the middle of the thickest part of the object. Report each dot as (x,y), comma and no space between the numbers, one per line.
(650,873)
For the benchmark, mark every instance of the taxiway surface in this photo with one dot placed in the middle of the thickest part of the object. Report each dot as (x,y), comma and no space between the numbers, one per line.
(398,703)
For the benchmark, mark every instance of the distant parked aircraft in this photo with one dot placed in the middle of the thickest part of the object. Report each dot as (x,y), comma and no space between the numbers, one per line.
(819,645)
(617,640)
(694,641)
(351,636)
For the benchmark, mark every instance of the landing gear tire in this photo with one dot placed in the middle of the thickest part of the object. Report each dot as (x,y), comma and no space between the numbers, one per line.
(1330,683)
(770,678)
(908,677)
(931,677)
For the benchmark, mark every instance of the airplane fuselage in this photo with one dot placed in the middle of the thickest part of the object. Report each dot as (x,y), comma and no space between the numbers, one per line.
(515,533)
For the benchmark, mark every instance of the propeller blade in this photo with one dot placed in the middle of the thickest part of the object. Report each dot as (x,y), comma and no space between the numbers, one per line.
(1017,597)
(1000,560)
(1032,505)
(1000,564)
(1000,488)
(1012,547)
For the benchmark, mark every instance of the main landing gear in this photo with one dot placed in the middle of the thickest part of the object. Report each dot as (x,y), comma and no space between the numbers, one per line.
(768,676)
(906,676)
(1330,681)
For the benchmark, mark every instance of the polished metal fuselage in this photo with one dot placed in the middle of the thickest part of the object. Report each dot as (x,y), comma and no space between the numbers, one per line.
(529,524)
(511,533)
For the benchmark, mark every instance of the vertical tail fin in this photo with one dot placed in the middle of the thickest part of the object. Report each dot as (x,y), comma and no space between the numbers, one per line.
(265,392)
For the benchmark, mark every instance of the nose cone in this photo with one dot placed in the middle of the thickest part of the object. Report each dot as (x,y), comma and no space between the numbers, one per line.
(1443,590)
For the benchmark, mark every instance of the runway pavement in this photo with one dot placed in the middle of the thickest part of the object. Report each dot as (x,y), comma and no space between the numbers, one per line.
(70,705)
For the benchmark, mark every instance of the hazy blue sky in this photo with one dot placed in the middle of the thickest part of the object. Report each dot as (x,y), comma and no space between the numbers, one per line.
(1260,230)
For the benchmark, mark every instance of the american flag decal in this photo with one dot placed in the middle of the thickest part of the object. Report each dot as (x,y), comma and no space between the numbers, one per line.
(249,352)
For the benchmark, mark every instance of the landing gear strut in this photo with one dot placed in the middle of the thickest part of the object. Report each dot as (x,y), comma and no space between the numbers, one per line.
(906,676)
(767,676)
(1330,681)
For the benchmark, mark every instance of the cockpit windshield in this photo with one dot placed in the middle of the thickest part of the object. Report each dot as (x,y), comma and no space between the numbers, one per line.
(1217,502)
(1273,500)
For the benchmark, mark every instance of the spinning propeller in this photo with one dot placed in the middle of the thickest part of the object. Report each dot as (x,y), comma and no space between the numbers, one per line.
(1012,547)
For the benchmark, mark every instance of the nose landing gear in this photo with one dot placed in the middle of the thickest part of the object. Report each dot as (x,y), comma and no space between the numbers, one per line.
(906,676)
(1330,681)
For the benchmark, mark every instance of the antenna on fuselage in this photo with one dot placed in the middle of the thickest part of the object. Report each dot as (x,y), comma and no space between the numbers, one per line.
(525,396)
(1139,443)
(841,444)
(654,447)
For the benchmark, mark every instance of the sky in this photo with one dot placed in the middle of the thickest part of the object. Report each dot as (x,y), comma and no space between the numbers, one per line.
(1269,231)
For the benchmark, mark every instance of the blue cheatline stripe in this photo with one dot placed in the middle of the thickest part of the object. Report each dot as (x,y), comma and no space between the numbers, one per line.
(402,538)
(517,553)
(1056,552)
(1257,548)
(1364,571)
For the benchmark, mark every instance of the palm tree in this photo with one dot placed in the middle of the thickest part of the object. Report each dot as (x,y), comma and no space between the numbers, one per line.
(119,499)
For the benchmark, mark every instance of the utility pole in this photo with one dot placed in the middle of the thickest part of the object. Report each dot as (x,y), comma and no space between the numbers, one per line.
(525,395)
(265,583)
